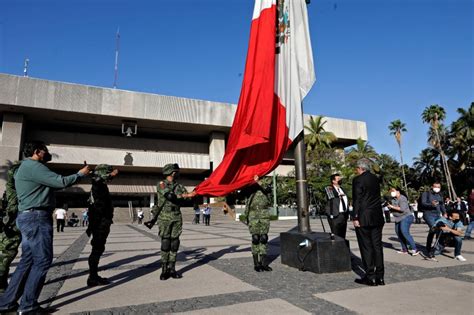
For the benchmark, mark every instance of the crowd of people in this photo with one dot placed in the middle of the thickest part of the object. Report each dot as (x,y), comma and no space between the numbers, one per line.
(29,203)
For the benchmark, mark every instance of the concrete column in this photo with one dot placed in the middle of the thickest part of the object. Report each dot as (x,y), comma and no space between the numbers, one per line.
(216,151)
(11,140)
(216,148)
(152,200)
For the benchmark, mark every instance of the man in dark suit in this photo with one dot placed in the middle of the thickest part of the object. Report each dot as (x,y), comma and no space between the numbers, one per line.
(337,207)
(368,221)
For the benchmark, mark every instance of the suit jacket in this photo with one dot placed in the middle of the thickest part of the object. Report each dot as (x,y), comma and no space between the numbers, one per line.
(332,206)
(366,200)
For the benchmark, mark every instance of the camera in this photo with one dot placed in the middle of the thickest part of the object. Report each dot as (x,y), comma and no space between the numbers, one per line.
(385,204)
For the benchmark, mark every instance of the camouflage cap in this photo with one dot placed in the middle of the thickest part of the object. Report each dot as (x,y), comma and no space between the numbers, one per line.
(168,169)
(102,171)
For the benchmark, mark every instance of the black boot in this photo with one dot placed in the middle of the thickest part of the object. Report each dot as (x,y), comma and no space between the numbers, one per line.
(165,273)
(264,263)
(257,267)
(172,271)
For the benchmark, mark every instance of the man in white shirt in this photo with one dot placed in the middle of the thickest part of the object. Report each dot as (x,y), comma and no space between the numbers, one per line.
(61,217)
(337,207)
(207,214)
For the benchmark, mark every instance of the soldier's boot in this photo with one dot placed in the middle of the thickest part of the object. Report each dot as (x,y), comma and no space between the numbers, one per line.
(173,273)
(96,280)
(257,267)
(165,273)
(264,263)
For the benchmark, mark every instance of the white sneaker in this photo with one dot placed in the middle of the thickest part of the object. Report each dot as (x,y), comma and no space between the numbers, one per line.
(460,258)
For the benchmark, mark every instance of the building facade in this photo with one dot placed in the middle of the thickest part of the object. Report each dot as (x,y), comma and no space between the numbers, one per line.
(85,123)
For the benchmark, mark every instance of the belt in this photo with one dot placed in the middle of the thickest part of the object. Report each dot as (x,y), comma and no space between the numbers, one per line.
(38,209)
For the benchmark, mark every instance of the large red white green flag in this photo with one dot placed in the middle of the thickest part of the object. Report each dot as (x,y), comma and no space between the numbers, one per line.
(279,72)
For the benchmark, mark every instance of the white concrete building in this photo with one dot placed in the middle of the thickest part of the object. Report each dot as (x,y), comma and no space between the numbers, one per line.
(84,123)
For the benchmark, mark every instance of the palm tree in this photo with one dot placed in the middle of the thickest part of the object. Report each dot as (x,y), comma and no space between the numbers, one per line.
(462,136)
(361,150)
(317,135)
(428,166)
(434,115)
(396,128)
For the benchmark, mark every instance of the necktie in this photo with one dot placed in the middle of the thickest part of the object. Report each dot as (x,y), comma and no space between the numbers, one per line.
(341,194)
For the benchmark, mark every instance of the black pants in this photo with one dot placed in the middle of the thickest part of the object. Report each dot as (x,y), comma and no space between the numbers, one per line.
(339,224)
(100,231)
(207,219)
(371,251)
(196,218)
(387,216)
(60,224)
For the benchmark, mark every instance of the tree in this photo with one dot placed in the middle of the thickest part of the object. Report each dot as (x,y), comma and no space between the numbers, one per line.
(461,148)
(318,136)
(428,166)
(396,128)
(362,149)
(434,115)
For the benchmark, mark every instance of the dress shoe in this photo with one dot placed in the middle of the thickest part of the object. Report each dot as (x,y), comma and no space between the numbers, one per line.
(380,282)
(366,281)
(95,281)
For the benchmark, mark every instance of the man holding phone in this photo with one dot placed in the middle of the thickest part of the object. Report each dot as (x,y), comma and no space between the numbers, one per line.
(433,207)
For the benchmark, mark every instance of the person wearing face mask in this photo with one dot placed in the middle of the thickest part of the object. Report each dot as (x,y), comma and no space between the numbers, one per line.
(403,220)
(35,184)
(449,232)
(432,206)
(337,207)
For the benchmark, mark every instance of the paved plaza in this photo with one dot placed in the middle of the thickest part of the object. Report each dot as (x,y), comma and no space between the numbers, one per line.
(218,276)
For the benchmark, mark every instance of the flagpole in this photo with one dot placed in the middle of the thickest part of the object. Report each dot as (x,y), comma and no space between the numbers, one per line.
(301,185)
(117,47)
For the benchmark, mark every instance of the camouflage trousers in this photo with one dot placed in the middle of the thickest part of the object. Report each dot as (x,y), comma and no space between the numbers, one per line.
(258,226)
(170,228)
(9,243)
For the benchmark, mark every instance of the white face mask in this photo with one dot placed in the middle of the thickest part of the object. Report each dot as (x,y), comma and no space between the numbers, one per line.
(436,190)
(393,194)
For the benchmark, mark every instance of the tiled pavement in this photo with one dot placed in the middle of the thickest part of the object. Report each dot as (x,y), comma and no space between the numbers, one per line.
(218,277)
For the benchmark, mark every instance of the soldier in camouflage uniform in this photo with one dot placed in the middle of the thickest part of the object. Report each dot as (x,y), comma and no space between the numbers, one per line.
(171,196)
(10,236)
(258,220)
(100,214)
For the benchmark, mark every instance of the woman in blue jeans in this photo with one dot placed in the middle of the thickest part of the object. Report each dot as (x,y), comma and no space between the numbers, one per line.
(403,218)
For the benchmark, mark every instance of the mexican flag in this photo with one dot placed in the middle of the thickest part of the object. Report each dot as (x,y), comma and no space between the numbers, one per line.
(279,73)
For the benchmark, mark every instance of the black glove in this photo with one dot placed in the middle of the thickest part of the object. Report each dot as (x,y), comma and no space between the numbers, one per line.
(149,224)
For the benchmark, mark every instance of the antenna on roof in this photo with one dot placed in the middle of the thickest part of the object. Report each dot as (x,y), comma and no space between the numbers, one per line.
(25,67)
(117,47)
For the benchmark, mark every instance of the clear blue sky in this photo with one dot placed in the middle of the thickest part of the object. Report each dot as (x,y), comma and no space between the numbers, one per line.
(376,60)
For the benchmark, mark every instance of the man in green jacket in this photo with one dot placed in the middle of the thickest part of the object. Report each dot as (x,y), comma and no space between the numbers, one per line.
(35,185)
